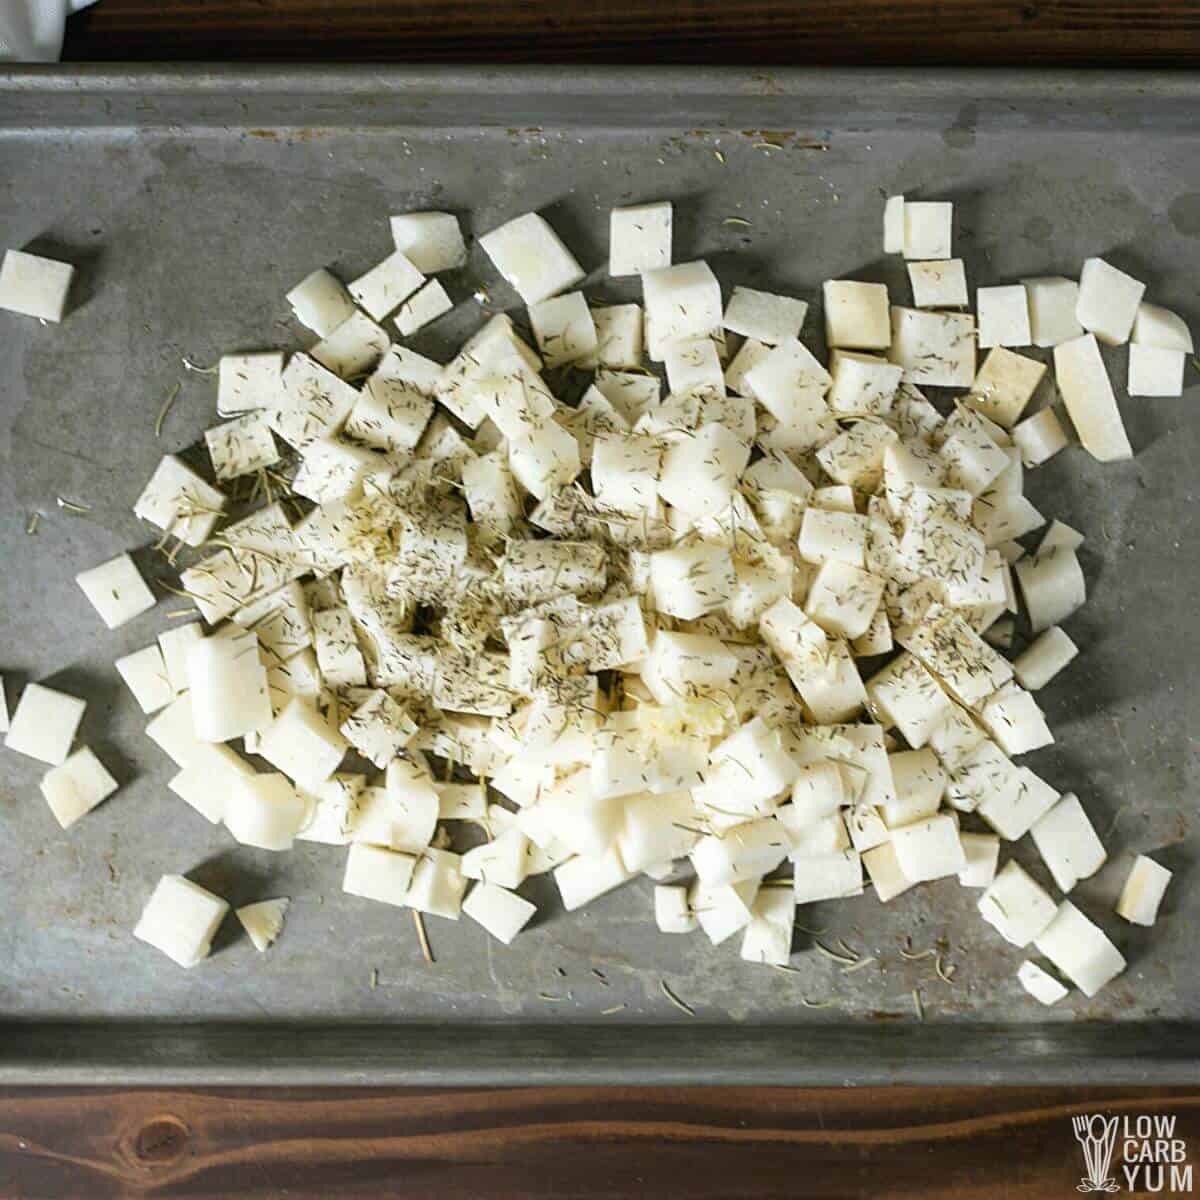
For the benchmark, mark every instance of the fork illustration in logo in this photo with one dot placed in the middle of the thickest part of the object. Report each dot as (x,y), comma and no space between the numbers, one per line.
(1097,1136)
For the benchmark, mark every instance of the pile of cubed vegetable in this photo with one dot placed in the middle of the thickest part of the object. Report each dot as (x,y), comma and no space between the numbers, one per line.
(746,638)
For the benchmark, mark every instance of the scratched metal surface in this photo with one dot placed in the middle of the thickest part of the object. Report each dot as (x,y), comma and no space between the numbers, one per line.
(191,202)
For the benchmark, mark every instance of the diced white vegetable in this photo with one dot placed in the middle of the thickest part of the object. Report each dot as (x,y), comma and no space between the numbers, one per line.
(116,590)
(321,302)
(76,786)
(968,667)
(393,409)
(699,473)
(625,472)
(586,878)
(1052,301)
(919,781)
(1050,652)
(44,724)
(1154,326)
(973,457)
(501,861)
(1052,585)
(982,854)
(1108,301)
(1154,371)
(544,458)
(1080,949)
(532,258)
(866,827)
(1039,438)
(1087,393)
(893,225)
(501,912)
(939,284)
(1012,716)
(657,828)
(843,599)
(302,744)
(863,385)
(1016,801)
(431,241)
(249,382)
(353,348)
(672,913)
(1003,314)
(884,870)
(856,315)
(639,238)
(180,919)
(933,348)
(745,851)
(375,873)
(692,365)
(907,696)
(1040,984)
(263,921)
(1068,843)
(929,849)
(752,352)
(337,649)
(179,502)
(564,329)
(827,877)
(768,936)
(814,839)
(833,536)
(927,229)
(1145,886)
(206,783)
(682,301)
(689,581)
(386,285)
(722,911)
(1016,906)
(426,304)
(379,728)
(619,336)
(437,885)
(35,286)
(145,674)
(314,402)
(241,446)
(228,687)
(1004,386)
(764,316)
(264,811)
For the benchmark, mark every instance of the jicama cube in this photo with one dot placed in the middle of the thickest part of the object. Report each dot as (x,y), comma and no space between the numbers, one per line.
(748,357)
(1108,301)
(241,446)
(228,687)
(842,599)
(207,781)
(431,241)
(1155,326)
(1016,800)
(692,365)
(933,347)
(1053,586)
(501,861)
(1039,438)
(618,336)
(392,410)
(386,285)
(1013,718)
(1049,653)
(906,695)
(1088,395)
(764,316)
(865,827)
(756,587)
(1154,371)
(817,792)
(968,667)
(768,936)
(625,470)
(263,921)
(672,912)
(35,286)
(583,879)
(533,571)
(748,850)
(337,649)
(302,744)
(532,258)
(884,870)
(876,638)
(281,621)
(982,853)
(699,474)
(314,403)
(893,225)
(639,238)
(973,457)
(615,636)
(657,828)
(44,724)
(544,458)
(249,382)
(1068,844)
(437,885)
(353,348)
(1004,386)
(954,737)
(929,849)
(833,536)
(180,919)
(501,912)
(321,302)
(179,502)
(927,227)
(376,873)
(460,801)
(564,329)
(1003,314)
(723,910)
(116,590)
(1040,984)
(682,301)
(938,284)
(856,315)
(1144,889)
(173,731)
(827,877)
(1080,949)
(1052,301)
(919,781)
(691,580)
(332,469)
(76,786)
(426,304)
(863,385)
(632,395)
(379,728)
(264,811)
(1016,906)
(145,674)
(980,773)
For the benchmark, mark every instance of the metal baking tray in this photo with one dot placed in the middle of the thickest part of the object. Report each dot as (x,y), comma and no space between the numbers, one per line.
(191,199)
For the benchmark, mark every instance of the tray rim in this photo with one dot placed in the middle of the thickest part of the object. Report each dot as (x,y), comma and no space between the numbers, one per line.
(217,1053)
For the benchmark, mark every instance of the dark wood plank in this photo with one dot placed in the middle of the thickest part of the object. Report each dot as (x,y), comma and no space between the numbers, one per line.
(793,32)
(531,1143)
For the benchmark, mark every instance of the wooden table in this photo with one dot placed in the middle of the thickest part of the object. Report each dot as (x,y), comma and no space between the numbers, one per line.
(952,1142)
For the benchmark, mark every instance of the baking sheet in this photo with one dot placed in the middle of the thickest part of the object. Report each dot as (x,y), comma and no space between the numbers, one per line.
(191,200)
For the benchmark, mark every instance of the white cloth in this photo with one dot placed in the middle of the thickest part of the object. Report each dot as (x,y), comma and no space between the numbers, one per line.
(32,30)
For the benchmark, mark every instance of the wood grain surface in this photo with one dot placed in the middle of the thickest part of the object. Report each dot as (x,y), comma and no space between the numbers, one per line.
(895,32)
(525,1144)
